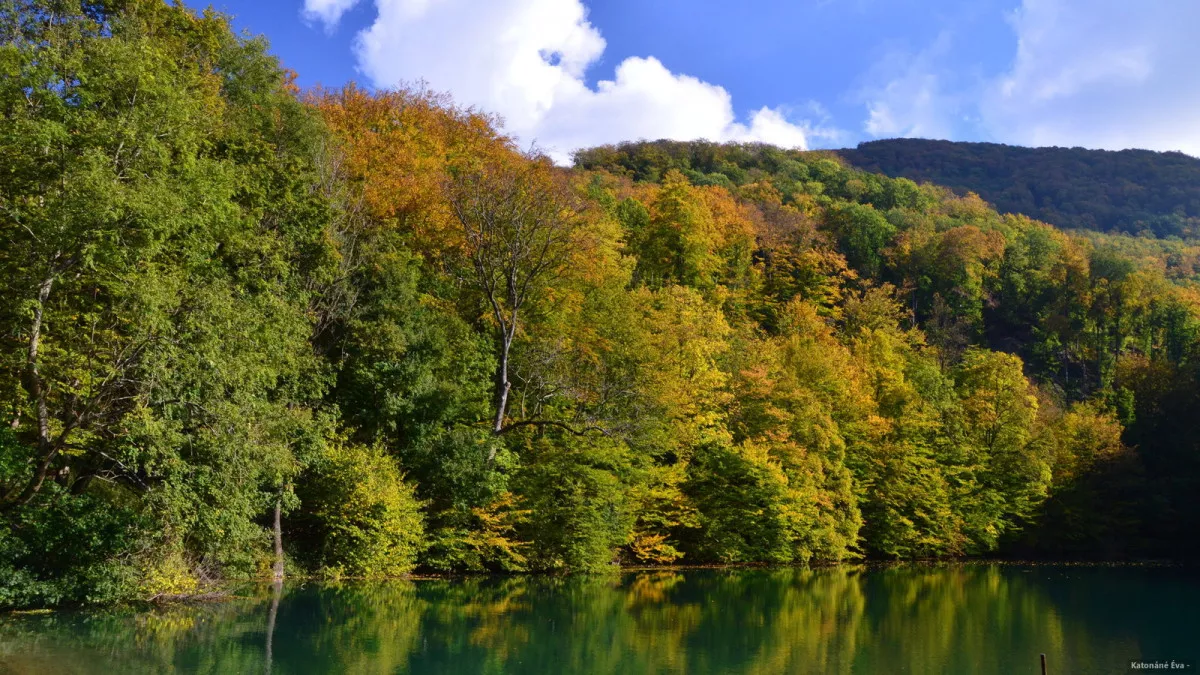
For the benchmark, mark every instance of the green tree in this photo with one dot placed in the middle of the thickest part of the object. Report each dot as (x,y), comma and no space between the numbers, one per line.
(863,233)
(161,230)
(999,474)
(360,518)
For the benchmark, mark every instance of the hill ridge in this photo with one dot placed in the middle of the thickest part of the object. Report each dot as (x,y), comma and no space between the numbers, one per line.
(1131,191)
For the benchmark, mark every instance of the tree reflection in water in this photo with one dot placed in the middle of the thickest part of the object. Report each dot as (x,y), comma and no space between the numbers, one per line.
(976,618)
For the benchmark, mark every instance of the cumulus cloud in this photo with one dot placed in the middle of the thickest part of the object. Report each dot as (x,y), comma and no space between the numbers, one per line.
(1101,73)
(527,59)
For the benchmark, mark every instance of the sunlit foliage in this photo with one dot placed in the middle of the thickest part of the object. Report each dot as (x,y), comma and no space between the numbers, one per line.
(429,349)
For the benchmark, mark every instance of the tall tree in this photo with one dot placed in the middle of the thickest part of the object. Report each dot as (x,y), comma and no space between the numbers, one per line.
(159,222)
(518,221)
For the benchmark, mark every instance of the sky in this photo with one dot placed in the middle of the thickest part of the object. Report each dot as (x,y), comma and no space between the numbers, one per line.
(565,74)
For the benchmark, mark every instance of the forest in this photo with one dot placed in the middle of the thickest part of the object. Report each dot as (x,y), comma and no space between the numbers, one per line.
(251,331)
(1129,191)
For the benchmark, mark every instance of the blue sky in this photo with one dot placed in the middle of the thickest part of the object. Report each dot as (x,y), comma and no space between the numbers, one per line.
(801,73)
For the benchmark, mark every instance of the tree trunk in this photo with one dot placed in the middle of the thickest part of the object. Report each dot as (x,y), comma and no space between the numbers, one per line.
(36,388)
(277,574)
(502,388)
(37,391)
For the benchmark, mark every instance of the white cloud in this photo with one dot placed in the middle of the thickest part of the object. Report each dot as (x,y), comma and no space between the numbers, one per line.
(1106,74)
(1100,73)
(912,106)
(915,95)
(526,60)
(328,12)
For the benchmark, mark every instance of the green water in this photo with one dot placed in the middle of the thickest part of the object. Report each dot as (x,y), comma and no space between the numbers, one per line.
(971,618)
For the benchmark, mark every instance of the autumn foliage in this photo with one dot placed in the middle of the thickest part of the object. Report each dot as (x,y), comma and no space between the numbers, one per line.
(425,347)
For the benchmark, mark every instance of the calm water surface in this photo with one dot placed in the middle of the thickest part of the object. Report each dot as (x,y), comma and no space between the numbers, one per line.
(972,618)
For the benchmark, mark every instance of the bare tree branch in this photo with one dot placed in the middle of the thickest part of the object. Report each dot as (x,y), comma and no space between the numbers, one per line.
(517,222)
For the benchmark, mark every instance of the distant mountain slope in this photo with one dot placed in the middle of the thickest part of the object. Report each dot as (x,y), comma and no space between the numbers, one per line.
(1127,191)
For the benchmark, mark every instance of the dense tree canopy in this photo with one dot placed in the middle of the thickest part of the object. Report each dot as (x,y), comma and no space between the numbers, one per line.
(1129,191)
(367,312)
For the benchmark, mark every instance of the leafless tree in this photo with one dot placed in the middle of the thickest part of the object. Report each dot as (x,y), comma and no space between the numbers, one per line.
(518,220)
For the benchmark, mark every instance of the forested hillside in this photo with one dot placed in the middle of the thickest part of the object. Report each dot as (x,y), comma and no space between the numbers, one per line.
(365,327)
(1131,191)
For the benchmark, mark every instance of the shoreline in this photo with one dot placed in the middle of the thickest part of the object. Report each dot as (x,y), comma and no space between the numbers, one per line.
(229,591)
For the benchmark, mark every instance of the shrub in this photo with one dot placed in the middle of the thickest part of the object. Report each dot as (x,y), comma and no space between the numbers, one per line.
(359,516)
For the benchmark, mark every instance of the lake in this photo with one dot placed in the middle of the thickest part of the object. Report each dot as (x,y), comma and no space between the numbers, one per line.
(941,618)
